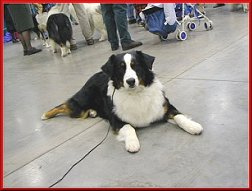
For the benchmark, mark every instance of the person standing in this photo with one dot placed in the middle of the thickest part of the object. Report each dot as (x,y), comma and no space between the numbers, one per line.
(115,19)
(22,18)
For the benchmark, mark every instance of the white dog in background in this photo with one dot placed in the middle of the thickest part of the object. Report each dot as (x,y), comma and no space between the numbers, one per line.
(95,18)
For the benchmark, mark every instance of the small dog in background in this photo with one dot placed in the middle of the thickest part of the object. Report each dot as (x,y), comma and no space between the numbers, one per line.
(59,30)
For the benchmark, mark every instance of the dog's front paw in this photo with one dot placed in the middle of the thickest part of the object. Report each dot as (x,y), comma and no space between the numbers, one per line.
(132,145)
(103,38)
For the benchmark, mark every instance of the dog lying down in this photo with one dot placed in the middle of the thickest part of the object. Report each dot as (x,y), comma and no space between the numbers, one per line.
(127,94)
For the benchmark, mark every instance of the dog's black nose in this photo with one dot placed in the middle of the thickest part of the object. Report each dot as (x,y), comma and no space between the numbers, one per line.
(131,82)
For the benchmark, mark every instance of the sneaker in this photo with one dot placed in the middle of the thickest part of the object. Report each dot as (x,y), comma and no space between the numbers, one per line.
(90,41)
(25,52)
(218,5)
(73,47)
(114,48)
(141,24)
(132,21)
(32,51)
(130,45)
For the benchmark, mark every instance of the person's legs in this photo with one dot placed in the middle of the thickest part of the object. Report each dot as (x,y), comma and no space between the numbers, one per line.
(131,14)
(84,22)
(109,20)
(120,11)
(25,38)
(22,42)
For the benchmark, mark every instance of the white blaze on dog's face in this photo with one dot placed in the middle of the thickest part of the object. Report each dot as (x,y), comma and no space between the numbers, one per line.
(130,79)
(130,70)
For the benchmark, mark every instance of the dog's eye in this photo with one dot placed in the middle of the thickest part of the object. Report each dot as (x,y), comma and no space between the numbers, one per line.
(132,64)
(122,64)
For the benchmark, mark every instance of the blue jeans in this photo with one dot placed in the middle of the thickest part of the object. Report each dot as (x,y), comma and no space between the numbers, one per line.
(115,18)
(130,11)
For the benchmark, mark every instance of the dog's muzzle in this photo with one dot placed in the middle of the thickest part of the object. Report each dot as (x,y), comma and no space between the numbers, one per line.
(131,82)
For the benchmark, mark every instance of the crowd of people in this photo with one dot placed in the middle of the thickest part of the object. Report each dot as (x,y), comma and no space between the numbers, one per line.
(116,18)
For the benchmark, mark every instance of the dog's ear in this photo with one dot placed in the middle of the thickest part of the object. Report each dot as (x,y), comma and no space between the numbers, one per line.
(147,59)
(108,68)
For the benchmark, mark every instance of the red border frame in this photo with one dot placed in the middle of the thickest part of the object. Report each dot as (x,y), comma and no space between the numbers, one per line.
(117,1)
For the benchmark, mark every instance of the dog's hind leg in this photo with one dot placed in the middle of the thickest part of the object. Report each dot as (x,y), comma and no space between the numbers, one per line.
(61,109)
(53,44)
(64,50)
(182,121)
(68,47)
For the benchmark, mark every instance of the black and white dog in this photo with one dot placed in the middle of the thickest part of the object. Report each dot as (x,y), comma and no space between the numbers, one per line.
(60,32)
(128,95)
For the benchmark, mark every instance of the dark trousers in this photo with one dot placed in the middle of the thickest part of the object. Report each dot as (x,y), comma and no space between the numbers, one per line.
(115,18)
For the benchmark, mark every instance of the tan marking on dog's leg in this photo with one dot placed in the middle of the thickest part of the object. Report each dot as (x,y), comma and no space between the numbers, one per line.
(84,114)
(61,109)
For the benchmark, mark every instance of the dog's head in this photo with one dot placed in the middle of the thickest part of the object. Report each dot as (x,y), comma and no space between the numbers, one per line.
(130,70)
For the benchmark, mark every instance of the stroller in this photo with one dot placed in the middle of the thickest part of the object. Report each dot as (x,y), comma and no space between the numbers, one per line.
(187,14)
(156,22)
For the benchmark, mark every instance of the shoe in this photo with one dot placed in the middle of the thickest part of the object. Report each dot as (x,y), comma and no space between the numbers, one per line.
(14,41)
(132,21)
(141,23)
(114,48)
(130,45)
(73,47)
(218,5)
(90,41)
(25,52)
(32,51)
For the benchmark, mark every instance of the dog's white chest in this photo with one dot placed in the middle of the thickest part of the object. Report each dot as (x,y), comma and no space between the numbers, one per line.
(140,107)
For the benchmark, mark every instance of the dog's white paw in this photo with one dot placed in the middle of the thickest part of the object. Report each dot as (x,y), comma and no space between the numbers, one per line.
(92,113)
(43,117)
(188,125)
(47,45)
(63,54)
(132,145)
(103,38)
(194,128)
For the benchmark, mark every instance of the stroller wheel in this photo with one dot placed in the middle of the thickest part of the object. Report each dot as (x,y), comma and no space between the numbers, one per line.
(181,35)
(208,26)
(163,38)
(191,26)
